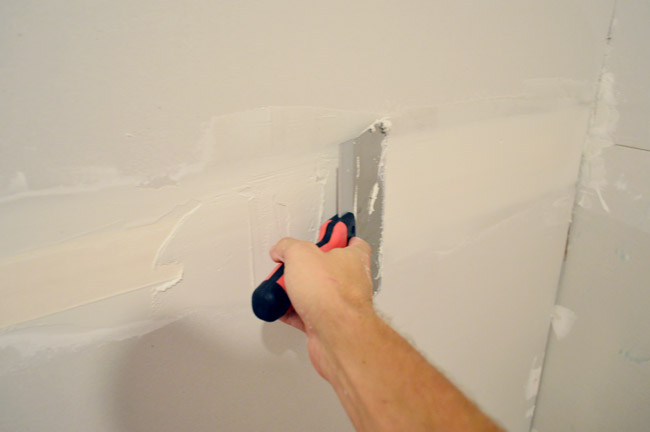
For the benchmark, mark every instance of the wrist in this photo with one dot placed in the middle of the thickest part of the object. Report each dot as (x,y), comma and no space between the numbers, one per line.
(339,335)
(341,322)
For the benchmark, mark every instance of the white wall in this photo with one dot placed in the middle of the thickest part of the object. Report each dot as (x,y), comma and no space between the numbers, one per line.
(151,153)
(597,374)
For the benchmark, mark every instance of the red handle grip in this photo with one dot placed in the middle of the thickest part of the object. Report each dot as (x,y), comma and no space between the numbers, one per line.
(270,300)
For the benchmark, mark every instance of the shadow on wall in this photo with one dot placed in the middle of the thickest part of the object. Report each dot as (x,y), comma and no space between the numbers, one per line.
(180,378)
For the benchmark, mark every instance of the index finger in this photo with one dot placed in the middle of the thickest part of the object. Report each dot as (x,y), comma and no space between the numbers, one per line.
(280,250)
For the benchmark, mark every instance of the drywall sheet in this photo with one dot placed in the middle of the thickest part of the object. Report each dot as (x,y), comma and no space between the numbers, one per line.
(597,373)
(472,253)
(151,153)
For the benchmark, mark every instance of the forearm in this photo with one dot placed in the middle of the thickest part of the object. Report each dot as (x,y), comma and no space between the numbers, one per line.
(386,385)
(383,382)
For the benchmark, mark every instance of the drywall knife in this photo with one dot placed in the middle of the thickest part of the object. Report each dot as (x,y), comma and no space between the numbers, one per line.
(359,192)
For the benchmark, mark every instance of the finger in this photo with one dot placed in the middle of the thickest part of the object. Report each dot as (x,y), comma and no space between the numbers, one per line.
(279,250)
(359,244)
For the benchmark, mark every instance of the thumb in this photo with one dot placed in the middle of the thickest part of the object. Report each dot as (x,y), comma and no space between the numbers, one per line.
(361,247)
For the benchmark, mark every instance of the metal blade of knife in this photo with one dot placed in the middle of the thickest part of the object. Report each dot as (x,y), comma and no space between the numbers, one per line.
(360,187)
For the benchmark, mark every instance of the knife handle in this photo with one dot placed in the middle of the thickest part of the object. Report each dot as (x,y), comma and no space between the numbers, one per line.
(270,300)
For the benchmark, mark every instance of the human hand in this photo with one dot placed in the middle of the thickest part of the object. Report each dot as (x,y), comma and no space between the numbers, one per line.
(325,289)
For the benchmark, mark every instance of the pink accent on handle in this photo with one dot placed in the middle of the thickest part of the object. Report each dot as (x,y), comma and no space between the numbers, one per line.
(323,229)
(339,238)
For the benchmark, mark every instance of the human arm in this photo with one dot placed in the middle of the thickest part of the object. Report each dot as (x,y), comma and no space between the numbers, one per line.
(383,383)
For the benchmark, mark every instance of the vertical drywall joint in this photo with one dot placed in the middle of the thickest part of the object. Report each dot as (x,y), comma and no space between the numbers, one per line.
(583,161)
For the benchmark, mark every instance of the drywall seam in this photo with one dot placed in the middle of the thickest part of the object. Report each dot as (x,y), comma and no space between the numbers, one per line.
(119,261)
(108,263)
(602,124)
(593,176)
(224,138)
(600,135)
(48,280)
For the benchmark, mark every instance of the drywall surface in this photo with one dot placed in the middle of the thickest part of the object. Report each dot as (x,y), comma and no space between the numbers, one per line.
(151,153)
(186,353)
(597,373)
(471,264)
(249,156)
(162,356)
(116,92)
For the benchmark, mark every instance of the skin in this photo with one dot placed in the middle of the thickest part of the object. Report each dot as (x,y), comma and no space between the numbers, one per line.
(383,383)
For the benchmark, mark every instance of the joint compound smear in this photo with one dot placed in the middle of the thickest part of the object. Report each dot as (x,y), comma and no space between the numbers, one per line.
(563,320)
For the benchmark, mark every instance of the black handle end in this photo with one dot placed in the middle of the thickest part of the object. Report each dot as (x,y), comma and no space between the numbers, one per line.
(349,220)
(270,301)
